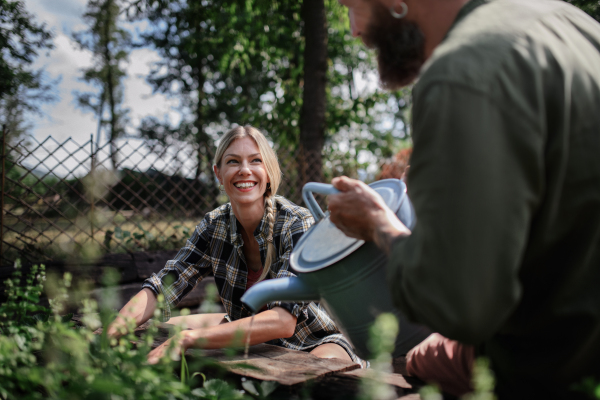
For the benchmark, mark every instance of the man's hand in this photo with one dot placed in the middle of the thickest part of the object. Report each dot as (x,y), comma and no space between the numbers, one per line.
(361,213)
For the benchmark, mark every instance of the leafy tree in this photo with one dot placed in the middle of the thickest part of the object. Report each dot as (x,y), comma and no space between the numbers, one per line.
(209,63)
(109,45)
(21,87)
(251,62)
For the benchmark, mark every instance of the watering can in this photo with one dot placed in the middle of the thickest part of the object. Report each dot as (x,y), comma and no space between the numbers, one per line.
(346,275)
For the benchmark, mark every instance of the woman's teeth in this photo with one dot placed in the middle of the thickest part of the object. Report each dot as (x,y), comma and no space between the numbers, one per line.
(245,185)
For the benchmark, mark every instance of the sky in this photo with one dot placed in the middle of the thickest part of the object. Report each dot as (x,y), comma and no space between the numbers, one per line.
(62,119)
(62,122)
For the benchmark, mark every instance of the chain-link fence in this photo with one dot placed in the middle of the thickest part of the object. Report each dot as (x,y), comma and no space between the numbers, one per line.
(62,197)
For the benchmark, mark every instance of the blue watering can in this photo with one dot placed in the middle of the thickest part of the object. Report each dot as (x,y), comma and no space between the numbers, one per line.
(347,276)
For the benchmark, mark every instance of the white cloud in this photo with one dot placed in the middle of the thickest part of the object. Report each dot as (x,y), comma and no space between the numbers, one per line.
(59,15)
(138,94)
(63,119)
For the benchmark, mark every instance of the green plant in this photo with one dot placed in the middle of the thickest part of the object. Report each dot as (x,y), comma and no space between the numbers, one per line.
(144,240)
(589,386)
(44,356)
(382,337)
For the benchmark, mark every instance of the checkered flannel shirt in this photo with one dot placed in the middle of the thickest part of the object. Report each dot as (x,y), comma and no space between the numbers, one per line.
(216,248)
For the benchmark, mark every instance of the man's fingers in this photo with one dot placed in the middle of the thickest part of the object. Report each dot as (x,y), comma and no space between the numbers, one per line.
(343,183)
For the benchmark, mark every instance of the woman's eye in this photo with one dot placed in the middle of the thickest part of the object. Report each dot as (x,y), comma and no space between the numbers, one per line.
(257,160)
(231,161)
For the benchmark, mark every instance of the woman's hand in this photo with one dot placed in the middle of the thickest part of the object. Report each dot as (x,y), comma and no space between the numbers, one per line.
(180,343)
(267,325)
(139,309)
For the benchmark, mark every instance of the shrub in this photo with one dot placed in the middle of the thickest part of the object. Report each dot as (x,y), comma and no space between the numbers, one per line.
(43,355)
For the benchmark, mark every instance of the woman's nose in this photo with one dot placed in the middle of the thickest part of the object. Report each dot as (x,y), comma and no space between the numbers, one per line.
(244,169)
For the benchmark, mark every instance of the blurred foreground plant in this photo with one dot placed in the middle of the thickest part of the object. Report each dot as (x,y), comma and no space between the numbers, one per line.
(44,356)
(381,344)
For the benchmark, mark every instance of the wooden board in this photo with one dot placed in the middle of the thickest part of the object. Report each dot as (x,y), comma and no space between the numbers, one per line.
(274,363)
(346,385)
(391,379)
(325,379)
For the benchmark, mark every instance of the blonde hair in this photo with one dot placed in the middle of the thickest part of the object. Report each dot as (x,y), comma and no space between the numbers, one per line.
(273,171)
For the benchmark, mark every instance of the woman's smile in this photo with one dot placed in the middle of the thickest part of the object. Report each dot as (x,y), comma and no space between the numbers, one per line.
(245,186)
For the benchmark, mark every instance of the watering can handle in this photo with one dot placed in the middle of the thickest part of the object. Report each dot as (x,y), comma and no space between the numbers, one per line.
(309,199)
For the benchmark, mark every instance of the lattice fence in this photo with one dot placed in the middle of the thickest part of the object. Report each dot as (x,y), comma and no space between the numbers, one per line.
(62,197)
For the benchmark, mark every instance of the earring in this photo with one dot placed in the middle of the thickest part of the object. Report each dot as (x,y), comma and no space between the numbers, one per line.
(222,188)
(402,14)
(268,185)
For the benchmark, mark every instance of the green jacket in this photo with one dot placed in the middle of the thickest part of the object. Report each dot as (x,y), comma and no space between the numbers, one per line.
(505,181)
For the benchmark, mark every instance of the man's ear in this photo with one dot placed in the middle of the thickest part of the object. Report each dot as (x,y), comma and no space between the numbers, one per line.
(217,173)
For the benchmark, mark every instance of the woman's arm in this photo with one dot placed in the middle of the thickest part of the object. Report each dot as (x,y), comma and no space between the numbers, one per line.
(267,325)
(141,307)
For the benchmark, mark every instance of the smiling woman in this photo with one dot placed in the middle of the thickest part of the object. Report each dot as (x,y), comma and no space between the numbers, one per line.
(242,242)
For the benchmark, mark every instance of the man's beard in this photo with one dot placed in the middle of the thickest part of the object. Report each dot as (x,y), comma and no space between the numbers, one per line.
(400,46)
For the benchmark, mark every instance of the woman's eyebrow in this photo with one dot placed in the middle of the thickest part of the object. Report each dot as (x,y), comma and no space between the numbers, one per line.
(235,155)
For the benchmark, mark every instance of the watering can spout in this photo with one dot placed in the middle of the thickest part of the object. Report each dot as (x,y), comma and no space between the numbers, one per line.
(284,289)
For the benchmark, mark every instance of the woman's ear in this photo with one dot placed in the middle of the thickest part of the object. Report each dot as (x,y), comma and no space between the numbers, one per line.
(217,173)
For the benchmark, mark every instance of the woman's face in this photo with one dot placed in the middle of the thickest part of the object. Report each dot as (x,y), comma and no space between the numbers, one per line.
(242,172)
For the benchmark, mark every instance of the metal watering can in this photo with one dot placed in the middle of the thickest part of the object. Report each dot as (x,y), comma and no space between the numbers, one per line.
(347,276)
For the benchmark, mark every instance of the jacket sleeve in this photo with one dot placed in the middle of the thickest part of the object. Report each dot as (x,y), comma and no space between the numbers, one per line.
(180,275)
(475,179)
(290,235)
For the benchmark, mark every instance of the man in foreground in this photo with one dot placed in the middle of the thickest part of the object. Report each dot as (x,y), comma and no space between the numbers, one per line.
(505,181)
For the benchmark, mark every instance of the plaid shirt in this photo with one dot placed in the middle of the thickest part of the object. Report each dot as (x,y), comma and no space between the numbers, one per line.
(216,247)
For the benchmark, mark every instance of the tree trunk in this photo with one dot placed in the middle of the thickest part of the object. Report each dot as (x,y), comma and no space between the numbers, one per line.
(110,84)
(205,147)
(312,116)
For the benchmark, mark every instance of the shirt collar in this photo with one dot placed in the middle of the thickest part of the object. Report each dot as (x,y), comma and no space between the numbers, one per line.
(464,11)
(259,233)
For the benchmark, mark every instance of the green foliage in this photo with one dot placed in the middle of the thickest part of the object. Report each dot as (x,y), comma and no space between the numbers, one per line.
(382,337)
(217,389)
(20,40)
(589,386)
(483,381)
(242,62)
(21,312)
(145,240)
(21,87)
(260,390)
(44,356)
(592,7)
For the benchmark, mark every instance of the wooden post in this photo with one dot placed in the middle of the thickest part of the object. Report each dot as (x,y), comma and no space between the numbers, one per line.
(4,132)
